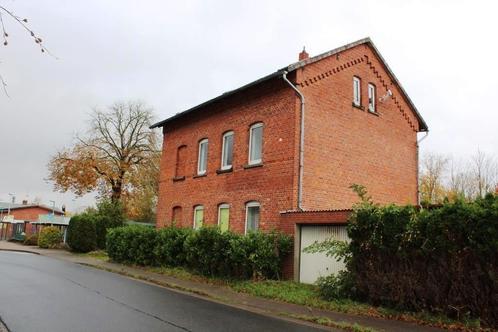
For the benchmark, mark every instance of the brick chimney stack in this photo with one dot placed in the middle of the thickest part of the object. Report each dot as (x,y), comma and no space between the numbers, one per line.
(303,55)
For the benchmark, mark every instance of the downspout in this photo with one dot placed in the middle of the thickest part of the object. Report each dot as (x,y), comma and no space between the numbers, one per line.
(418,166)
(301,145)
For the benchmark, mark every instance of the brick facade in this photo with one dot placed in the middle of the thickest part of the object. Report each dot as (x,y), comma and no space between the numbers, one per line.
(343,144)
(271,184)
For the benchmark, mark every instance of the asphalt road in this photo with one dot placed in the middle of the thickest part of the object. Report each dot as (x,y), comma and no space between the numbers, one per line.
(39,293)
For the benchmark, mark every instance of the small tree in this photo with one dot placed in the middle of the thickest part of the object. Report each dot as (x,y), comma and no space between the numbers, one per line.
(81,233)
(109,215)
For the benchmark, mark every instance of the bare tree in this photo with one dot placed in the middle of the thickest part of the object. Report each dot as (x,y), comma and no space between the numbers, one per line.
(459,181)
(116,147)
(484,171)
(23,22)
(432,188)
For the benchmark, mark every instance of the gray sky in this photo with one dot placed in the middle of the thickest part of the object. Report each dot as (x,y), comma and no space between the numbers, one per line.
(176,54)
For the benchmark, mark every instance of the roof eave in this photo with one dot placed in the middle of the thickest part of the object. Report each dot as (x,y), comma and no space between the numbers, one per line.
(422,124)
(222,96)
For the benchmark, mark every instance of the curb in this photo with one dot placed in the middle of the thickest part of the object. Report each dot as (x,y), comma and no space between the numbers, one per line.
(21,250)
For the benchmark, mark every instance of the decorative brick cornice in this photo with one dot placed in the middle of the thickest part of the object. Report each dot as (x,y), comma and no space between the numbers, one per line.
(331,72)
(395,99)
(349,64)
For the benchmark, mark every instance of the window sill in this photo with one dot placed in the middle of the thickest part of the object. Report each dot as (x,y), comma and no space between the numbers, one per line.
(199,176)
(223,171)
(373,113)
(358,107)
(253,165)
(178,178)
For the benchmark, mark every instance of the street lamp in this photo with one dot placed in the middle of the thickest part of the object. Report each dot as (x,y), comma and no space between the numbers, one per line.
(53,207)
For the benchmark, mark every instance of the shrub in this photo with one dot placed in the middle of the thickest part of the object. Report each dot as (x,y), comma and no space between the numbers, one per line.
(336,286)
(169,249)
(49,237)
(31,240)
(132,244)
(206,251)
(443,260)
(108,215)
(81,234)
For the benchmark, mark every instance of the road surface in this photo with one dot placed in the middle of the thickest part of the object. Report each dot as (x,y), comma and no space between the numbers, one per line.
(39,293)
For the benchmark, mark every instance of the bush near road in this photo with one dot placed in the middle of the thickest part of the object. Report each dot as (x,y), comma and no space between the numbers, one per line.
(207,251)
(49,237)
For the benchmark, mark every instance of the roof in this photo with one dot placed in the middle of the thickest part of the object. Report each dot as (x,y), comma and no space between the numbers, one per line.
(52,220)
(297,65)
(14,206)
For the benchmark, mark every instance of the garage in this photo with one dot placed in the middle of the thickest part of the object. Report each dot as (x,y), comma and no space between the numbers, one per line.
(313,266)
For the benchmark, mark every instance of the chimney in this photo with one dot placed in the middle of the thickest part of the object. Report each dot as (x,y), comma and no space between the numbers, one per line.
(24,202)
(303,55)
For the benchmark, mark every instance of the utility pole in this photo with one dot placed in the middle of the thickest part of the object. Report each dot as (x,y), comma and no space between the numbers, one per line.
(12,199)
(53,207)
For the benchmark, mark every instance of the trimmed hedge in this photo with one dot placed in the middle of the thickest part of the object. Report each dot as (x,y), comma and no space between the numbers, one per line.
(81,233)
(49,237)
(440,260)
(207,251)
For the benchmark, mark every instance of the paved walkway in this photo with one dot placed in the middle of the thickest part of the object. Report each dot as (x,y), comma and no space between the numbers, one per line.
(222,294)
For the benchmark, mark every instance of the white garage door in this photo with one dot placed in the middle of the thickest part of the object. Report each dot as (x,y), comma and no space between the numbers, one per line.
(316,265)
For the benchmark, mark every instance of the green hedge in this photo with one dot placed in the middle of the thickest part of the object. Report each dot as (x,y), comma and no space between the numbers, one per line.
(81,233)
(108,215)
(441,260)
(207,251)
(49,237)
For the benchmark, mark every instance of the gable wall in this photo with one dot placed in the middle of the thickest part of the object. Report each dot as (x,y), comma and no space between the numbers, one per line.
(346,145)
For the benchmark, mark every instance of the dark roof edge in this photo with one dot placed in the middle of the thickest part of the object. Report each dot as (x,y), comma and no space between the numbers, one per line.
(302,63)
(224,95)
(367,40)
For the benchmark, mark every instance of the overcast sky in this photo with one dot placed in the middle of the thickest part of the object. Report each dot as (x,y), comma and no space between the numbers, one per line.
(177,54)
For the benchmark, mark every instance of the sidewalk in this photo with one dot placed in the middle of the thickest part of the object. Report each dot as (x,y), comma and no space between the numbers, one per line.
(223,294)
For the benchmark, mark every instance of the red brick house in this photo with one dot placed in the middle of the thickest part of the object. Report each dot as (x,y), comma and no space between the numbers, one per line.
(27,212)
(281,152)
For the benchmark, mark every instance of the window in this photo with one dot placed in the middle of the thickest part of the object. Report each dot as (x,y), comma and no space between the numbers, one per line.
(252,216)
(371,97)
(223,217)
(227,151)
(177,215)
(356,91)
(255,143)
(203,154)
(198,216)
(181,157)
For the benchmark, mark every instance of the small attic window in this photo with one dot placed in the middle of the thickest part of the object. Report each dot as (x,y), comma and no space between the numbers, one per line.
(371,98)
(356,91)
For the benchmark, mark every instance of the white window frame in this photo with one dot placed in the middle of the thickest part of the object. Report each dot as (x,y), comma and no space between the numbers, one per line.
(198,208)
(255,161)
(356,96)
(248,205)
(201,142)
(223,206)
(371,98)
(225,135)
